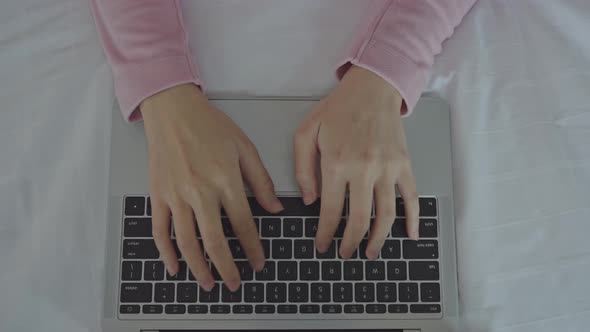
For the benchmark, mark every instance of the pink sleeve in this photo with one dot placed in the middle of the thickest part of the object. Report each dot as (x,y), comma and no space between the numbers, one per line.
(400,39)
(146,45)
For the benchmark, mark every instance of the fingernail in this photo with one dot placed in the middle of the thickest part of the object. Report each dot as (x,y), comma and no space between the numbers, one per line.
(308,197)
(343,254)
(372,254)
(277,205)
(207,285)
(414,234)
(172,270)
(233,285)
(258,266)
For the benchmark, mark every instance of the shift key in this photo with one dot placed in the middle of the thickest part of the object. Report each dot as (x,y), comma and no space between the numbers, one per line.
(423,249)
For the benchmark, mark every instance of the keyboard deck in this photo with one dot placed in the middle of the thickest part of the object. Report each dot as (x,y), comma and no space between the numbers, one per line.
(403,282)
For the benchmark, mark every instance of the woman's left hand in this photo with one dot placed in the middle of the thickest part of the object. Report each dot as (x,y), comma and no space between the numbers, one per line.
(356,134)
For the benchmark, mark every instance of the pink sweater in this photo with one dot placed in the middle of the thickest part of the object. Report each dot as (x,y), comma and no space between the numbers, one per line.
(146,44)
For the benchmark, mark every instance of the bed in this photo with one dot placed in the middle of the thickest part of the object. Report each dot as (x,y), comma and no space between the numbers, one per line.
(517,76)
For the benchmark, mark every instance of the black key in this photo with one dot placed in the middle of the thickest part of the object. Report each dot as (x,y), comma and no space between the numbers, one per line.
(400,208)
(264,309)
(270,227)
(396,270)
(399,228)
(140,249)
(164,293)
(131,270)
(282,249)
(268,272)
(134,206)
(391,249)
(331,270)
(429,292)
(363,249)
(266,247)
(294,207)
(293,227)
(320,292)
(340,230)
(181,274)
(397,308)
(245,270)
(311,227)
(408,292)
(424,270)
(153,270)
(425,308)
(253,292)
(129,309)
(354,309)
(220,309)
(386,292)
(376,308)
(227,229)
(137,227)
(332,308)
(309,270)
(422,249)
(342,292)
(152,309)
(209,297)
(198,309)
(428,206)
(287,309)
(186,292)
(276,292)
(236,249)
(298,292)
(375,270)
(303,249)
(309,309)
(329,254)
(175,309)
(136,292)
(353,270)
(149,207)
(242,309)
(287,270)
(428,228)
(228,296)
(364,292)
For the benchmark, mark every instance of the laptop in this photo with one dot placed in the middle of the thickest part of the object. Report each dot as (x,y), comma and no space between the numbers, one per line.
(412,286)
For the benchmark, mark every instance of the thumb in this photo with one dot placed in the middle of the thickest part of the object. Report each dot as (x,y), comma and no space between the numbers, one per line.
(258,179)
(306,157)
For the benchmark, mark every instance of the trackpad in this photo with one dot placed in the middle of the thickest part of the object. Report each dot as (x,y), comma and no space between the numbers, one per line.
(270,125)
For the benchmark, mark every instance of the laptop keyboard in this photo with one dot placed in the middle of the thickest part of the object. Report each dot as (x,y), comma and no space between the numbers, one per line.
(296,279)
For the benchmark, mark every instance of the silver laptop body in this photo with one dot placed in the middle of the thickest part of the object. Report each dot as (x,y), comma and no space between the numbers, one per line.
(270,123)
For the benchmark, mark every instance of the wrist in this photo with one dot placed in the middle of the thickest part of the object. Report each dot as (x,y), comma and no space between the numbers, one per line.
(367,82)
(170,99)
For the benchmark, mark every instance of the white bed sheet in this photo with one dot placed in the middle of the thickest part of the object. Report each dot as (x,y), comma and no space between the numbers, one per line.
(517,74)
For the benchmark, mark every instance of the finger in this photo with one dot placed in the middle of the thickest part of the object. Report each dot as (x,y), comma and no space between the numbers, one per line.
(333,195)
(384,216)
(306,157)
(238,210)
(258,180)
(407,188)
(361,199)
(186,238)
(208,213)
(161,234)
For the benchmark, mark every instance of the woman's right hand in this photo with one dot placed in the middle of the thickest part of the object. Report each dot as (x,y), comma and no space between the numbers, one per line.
(198,160)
